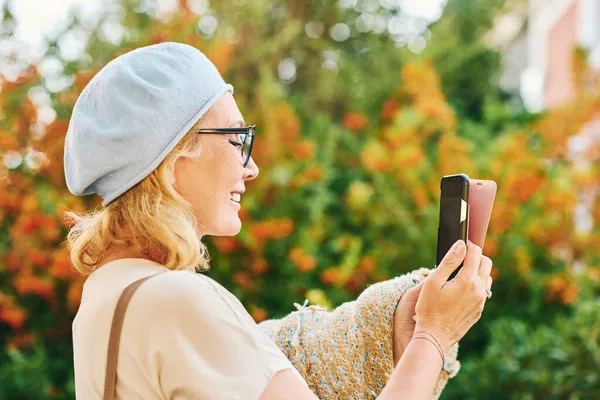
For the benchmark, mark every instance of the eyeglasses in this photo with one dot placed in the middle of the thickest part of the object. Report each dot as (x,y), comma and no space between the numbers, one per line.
(245,137)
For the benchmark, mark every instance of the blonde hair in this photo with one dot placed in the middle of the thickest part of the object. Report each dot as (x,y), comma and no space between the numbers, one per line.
(151,216)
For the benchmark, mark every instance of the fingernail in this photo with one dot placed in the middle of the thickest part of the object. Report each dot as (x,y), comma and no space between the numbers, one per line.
(459,248)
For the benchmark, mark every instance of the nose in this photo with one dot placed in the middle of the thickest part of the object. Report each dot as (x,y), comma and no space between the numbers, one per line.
(251,171)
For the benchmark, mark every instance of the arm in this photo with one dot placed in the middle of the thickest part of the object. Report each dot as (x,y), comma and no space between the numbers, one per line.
(350,348)
(416,374)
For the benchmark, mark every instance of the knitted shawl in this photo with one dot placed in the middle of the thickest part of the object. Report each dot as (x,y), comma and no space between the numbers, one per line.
(347,353)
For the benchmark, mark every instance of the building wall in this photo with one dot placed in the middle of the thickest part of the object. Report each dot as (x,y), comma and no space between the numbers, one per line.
(556,28)
(560,43)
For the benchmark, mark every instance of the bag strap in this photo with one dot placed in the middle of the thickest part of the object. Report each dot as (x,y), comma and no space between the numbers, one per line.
(110,379)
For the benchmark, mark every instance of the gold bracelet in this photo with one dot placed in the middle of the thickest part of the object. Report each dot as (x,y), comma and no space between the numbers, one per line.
(437,341)
(428,336)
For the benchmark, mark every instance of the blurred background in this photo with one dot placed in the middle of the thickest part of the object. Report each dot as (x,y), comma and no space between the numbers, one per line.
(361,107)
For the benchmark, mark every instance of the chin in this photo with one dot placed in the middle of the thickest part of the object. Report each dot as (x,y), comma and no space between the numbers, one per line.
(231,228)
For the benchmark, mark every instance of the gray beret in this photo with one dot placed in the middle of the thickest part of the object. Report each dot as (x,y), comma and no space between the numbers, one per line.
(133,113)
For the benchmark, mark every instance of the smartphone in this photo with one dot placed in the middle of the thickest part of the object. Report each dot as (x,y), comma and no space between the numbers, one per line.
(454,214)
(481,201)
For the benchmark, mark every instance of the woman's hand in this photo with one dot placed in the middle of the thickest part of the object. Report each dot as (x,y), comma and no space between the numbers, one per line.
(404,323)
(446,309)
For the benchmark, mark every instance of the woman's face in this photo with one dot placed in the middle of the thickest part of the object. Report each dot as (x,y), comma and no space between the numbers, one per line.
(208,181)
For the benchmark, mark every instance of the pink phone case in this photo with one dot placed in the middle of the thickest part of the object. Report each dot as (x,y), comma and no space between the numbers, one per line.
(481,201)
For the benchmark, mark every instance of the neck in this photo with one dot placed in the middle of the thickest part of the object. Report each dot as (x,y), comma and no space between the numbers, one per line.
(119,253)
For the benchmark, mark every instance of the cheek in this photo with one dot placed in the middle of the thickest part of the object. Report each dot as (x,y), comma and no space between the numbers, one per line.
(188,178)
(207,181)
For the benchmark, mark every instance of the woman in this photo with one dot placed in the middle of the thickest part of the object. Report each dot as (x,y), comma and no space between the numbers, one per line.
(158,135)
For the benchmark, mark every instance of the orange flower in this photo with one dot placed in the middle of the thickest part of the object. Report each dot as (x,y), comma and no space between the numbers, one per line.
(27,224)
(20,341)
(243,280)
(259,314)
(20,182)
(61,265)
(14,316)
(355,121)
(286,122)
(420,197)
(454,155)
(367,264)
(376,158)
(302,261)
(561,289)
(8,142)
(408,155)
(36,257)
(331,276)
(304,150)
(10,201)
(50,229)
(307,263)
(314,174)
(13,261)
(570,294)
(561,200)
(503,216)
(521,185)
(390,107)
(421,81)
(296,254)
(226,244)
(259,266)
(25,283)
(272,229)
(490,247)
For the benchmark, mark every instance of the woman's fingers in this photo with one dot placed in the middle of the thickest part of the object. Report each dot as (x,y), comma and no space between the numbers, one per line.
(470,267)
(485,268)
(489,282)
(449,263)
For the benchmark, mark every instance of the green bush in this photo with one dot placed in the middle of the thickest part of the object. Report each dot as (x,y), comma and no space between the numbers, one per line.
(559,360)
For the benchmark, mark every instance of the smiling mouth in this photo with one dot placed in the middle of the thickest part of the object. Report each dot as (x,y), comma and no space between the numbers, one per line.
(235,197)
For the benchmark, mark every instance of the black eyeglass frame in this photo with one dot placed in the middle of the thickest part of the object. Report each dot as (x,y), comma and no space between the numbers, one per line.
(247,130)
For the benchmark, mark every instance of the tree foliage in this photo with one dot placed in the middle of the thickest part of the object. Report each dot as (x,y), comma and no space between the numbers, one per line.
(354,136)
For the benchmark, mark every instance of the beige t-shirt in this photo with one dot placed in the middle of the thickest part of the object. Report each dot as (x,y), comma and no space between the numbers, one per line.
(184,337)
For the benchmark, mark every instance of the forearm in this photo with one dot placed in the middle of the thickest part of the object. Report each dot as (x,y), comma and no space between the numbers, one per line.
(416,374)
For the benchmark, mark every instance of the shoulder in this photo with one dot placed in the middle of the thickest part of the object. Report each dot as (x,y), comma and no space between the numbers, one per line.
(184,294)
(179,286)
